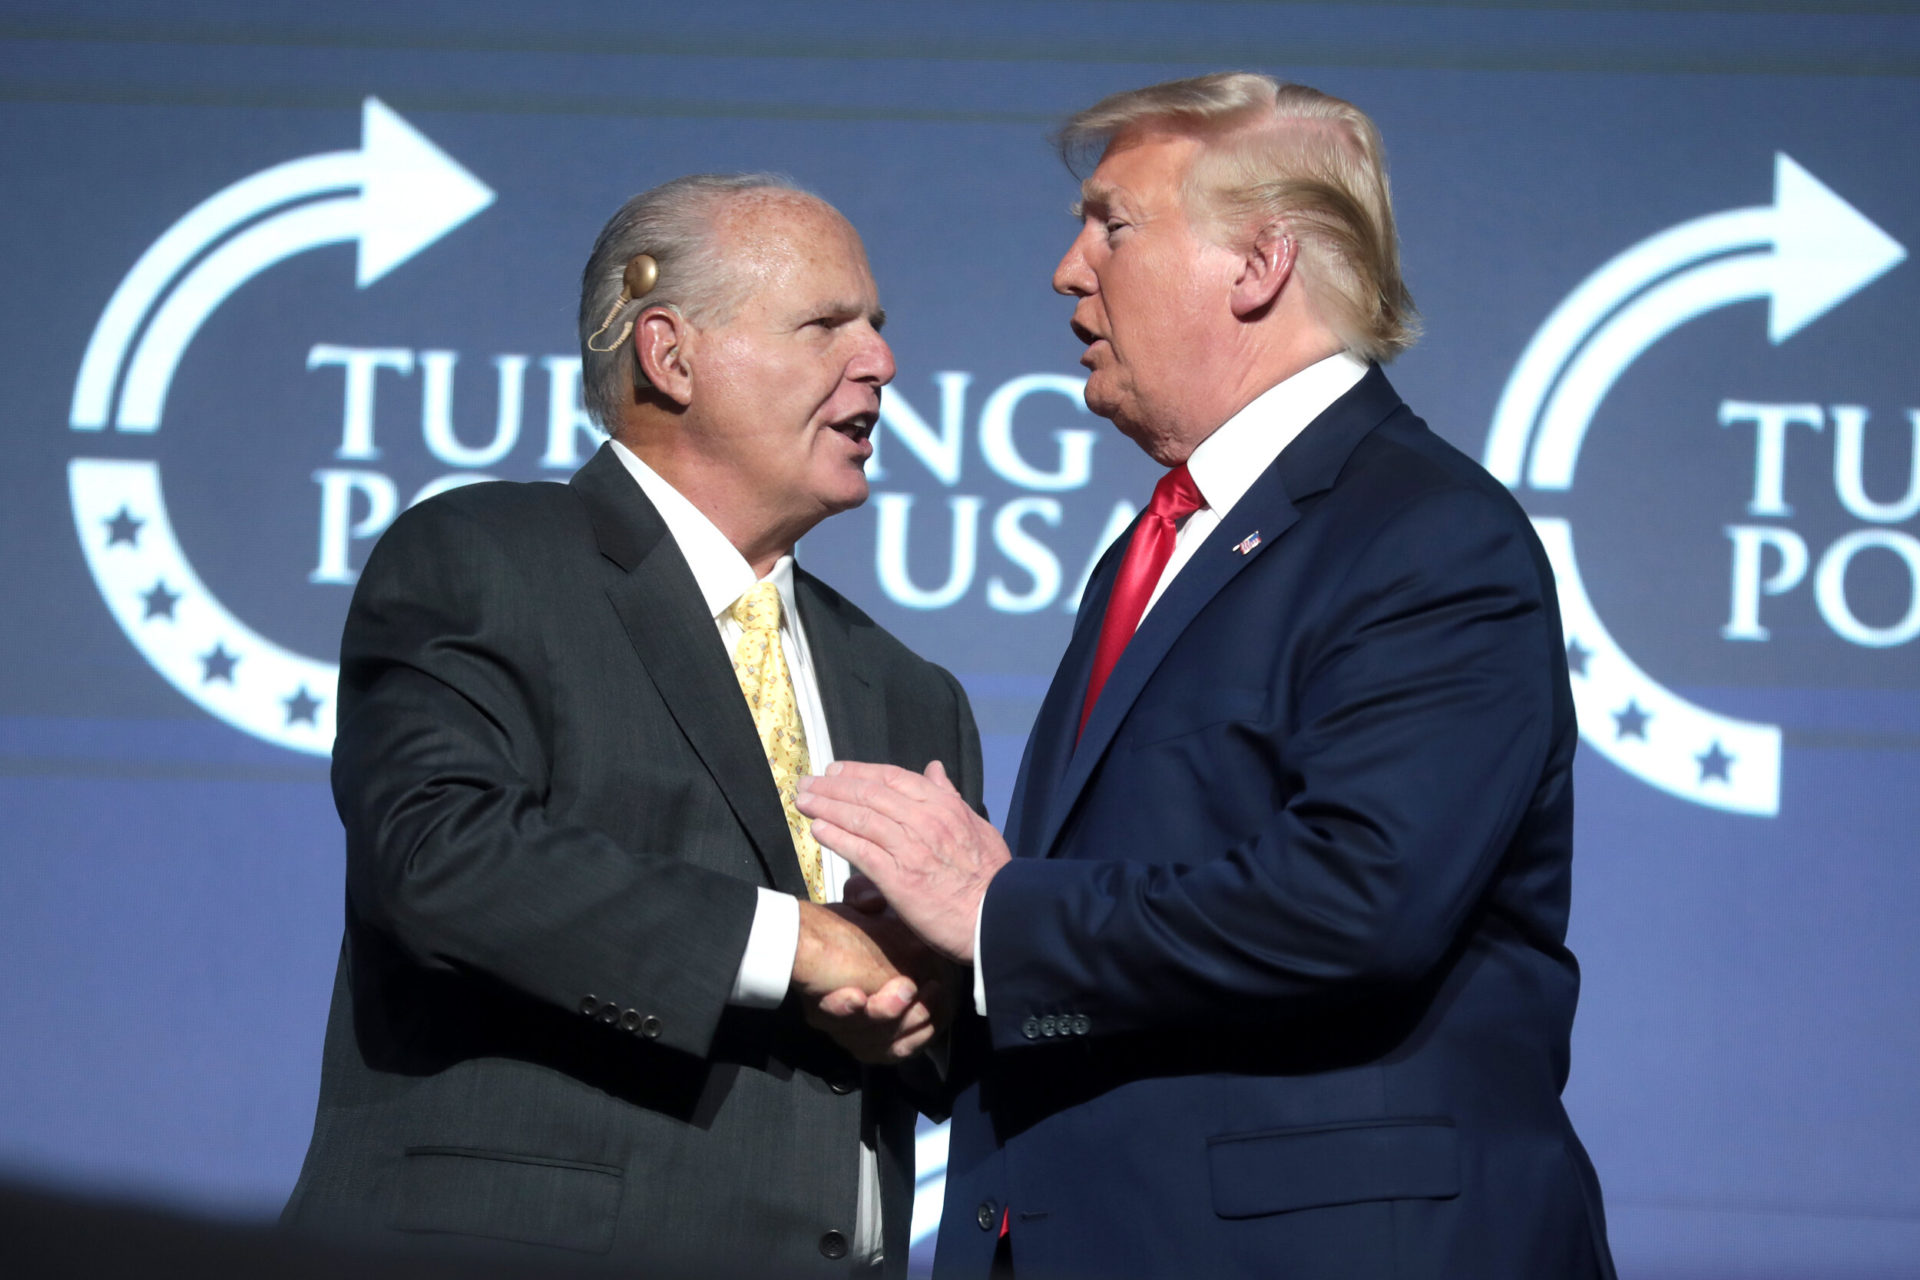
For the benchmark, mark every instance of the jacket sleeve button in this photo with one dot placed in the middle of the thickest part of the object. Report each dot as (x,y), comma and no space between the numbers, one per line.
(1030,1028)
(589,1005)
(650,1027)
(1082,1024)
(630,1020)
(1049,1026)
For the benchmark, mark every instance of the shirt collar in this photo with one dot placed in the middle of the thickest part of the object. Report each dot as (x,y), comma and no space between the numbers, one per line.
(721,572)
(1225,464)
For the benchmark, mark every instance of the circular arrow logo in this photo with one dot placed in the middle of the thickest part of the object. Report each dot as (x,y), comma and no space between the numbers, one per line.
(1804,254)
(394,196)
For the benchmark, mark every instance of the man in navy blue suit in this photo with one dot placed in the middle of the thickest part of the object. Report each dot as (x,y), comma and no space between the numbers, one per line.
(1270,970)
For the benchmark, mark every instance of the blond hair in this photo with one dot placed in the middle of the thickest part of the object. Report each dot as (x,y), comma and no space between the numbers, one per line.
(1279,152)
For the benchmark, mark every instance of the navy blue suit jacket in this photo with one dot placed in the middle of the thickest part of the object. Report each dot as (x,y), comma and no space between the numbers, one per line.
(1276,981)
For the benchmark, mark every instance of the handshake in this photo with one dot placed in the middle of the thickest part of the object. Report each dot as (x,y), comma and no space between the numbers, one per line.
(880,972)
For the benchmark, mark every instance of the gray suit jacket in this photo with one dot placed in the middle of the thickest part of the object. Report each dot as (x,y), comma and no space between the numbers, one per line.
(557,813)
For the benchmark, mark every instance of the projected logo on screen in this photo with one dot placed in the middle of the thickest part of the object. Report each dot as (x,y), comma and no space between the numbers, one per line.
(393,197)
(1804,254)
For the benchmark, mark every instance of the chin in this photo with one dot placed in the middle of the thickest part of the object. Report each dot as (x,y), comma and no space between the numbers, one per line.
(847,495)
(1100,402)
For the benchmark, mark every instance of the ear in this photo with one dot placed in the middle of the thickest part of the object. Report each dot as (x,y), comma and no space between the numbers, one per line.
(1264,270)
(659,344)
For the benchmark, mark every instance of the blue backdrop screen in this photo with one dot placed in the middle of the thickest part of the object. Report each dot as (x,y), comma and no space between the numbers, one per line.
(277,271)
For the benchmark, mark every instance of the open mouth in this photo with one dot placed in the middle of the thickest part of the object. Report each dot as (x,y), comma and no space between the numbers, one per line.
(856,427)
(1088,336)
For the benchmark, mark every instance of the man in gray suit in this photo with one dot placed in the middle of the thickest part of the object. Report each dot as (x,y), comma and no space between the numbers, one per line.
(596,992)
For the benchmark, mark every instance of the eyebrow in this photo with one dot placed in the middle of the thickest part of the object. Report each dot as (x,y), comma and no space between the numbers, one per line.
(847,309)
(1093,195)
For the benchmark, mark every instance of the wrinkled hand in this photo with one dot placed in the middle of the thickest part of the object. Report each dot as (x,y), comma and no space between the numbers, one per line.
(868,982)
(915,838)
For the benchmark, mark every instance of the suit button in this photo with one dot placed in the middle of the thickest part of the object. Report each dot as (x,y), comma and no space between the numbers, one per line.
(843,1087)
(987,1215)
(650,1027)
(1049,1026)
(833,1245)
(630,1020)
(1030,1028)
(589,1005)
(609,1012)
(1082,1024)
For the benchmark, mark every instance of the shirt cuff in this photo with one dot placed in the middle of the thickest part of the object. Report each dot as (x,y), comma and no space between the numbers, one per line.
(766,970)
(979,969)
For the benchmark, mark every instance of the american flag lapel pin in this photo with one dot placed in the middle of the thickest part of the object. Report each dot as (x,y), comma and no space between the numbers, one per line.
(1248,543)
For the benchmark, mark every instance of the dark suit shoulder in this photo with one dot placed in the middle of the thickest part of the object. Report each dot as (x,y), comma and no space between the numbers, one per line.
(1408,507)
(1403,464)
(529,523)
(520,506)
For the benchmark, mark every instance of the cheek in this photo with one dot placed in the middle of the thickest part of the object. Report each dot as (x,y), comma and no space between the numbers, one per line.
(1133,304)
(1167,307)
(736,375)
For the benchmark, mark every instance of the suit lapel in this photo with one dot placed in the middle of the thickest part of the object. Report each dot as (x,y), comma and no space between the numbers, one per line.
(1265,510)
(1050,742)
(1264,514)
(666,621)
(855,710)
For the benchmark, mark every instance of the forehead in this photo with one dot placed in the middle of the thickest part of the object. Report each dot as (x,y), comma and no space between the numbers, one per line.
(1142,164)
(789,248)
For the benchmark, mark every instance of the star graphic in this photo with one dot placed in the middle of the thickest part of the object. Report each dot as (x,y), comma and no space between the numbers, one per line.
(302,706)
(219,664)
(123,528)
(1631,722)
(1714,763)
(160,601)
(1577,655)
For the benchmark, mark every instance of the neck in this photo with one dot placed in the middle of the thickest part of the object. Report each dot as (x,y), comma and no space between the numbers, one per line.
(758,534)
(1296,357)
(1252,369)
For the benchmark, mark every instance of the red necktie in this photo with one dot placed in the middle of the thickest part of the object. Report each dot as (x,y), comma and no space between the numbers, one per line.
(1174,499)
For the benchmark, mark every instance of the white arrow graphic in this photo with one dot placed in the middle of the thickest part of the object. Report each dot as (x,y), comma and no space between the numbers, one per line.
(1806,253)
(405,194)
(395,196)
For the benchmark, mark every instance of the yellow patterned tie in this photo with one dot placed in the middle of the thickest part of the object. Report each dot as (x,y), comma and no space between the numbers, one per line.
(761,668)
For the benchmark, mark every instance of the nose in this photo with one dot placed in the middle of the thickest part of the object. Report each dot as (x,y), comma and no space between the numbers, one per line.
(873,363)
(1073,276)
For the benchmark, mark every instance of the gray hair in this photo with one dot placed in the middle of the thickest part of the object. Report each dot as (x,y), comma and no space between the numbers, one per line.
(674,222)
(1281,152)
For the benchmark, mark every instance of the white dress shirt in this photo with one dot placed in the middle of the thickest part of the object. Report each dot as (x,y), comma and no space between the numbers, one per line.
(723,576)
(1224,466)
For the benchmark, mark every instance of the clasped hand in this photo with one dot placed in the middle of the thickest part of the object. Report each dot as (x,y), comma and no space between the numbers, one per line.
(925,860)
(867,981)
(914,836)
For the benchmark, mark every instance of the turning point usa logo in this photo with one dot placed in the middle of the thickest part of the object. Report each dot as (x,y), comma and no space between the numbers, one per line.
(1804,254)
(393,198)
(398,194)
